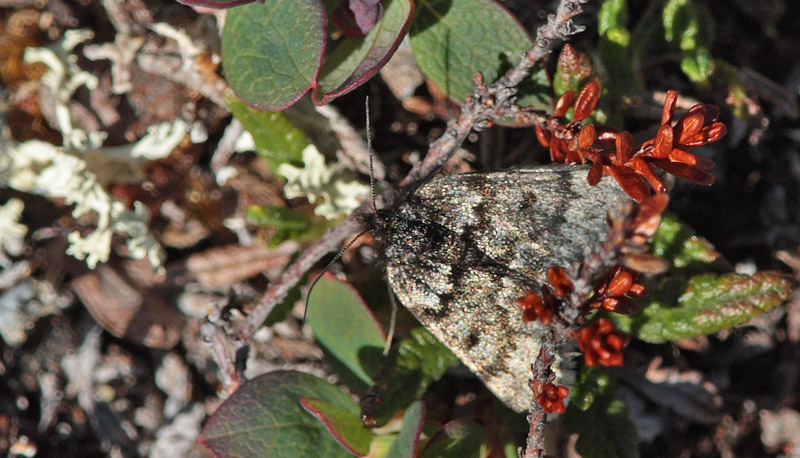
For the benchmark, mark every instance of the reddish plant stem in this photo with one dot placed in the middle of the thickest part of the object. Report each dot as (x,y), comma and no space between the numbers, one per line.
(277,291)
(537,418)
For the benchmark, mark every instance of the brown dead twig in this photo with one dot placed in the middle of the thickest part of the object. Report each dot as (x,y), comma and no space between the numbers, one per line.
(484,105)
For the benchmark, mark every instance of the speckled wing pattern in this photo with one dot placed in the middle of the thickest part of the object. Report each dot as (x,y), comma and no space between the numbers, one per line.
(463,248)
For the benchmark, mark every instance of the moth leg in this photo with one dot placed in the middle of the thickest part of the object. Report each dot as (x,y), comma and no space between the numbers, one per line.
(392,319)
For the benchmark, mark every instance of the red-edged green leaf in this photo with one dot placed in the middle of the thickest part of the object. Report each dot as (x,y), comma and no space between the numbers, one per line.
(216,3)
(344,425)
(264,418)
(346,328)
(355,60)
(710,303)
(454,39)
(601,421)
(407,442)
(414,363)
(457,439)
(271,51)
(573,68)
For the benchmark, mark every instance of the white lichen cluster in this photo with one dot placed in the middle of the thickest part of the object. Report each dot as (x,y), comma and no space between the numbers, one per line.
(319,181)
(11,230)
(78,170)
(339,195)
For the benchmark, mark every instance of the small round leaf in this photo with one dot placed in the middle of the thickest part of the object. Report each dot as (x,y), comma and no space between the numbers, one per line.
(264,418)
(271,51)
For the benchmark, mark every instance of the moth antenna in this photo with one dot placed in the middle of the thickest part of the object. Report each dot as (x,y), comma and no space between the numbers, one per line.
(374,210)
(327,267)
(371,170)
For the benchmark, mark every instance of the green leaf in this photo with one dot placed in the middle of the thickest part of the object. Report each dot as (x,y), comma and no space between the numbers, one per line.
(345,327)
(272,51)
(264,418)
(697,64)
(680,23)
(454,39)
(611,15)
(572,69)
(587,387)
(280,312)
(290,224)
(355,60)
(216,3)
(276,139)
(406,444)
(414,363)
(604,429)
(343,425)
(279,217)
(534,92)
(689,25)
(678,243)
(457,439)
(710,303)
(621,79)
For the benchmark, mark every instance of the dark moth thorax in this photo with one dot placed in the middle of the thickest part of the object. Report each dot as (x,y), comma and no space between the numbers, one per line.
(462,249)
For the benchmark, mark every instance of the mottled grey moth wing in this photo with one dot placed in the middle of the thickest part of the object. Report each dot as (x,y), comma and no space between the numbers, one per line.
(463,248)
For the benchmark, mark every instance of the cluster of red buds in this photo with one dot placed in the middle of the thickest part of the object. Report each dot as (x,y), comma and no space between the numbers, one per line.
(535,307)
(543,307)
(600,342)
(550,396)
(615,290)
(611,150)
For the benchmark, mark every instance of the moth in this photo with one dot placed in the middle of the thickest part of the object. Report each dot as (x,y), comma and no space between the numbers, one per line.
(461,249)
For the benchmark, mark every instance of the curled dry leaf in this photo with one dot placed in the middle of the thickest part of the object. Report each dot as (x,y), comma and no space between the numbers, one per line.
(226,265)
(130,304)
(645,263)
(686,392)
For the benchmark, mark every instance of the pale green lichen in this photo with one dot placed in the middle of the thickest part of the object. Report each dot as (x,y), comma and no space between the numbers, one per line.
(42,168)
(77,170)
(318,181)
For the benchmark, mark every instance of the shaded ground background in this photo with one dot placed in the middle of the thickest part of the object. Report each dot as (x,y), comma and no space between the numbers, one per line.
(70,388)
